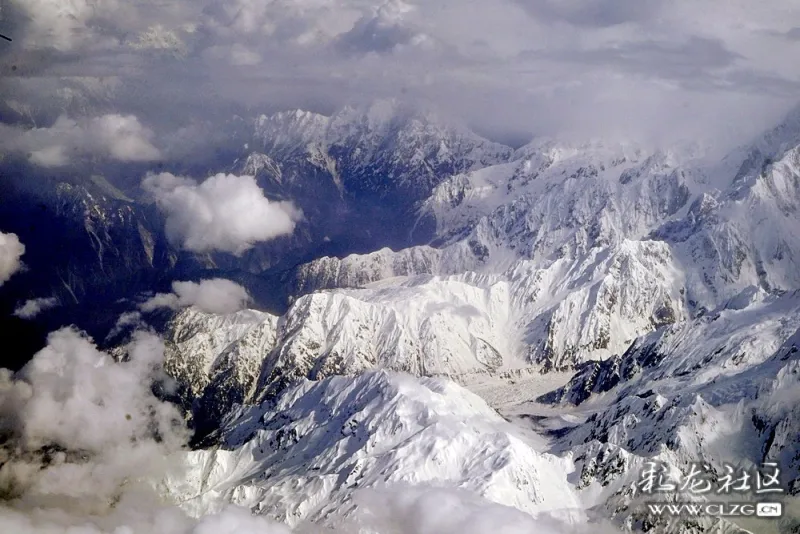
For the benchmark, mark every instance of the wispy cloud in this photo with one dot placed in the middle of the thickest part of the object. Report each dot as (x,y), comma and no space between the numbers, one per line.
(33,307)
(211,296)
(118,137)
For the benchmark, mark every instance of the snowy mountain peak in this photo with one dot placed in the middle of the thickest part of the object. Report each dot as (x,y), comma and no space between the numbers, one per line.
(304,456)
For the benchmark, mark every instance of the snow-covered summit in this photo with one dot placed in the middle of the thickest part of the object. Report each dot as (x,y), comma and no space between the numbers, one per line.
(304,455)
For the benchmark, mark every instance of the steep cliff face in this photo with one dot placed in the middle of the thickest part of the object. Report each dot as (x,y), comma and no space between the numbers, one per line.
(357,176)
(717,389)
(620,241)
(226,357)
(377,151)
(454,325)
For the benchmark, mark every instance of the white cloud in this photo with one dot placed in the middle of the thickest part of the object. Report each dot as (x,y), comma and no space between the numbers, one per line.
(33,307)
(11,250)
(58,25)
(410,510)
(236,54)
(131,320)
(237,521)
(110,440)
(79,399)
(119,137)
(86,443)
(226,213)
(212,296)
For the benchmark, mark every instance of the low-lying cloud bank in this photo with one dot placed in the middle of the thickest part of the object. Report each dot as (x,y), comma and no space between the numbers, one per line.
(84,442)
(118,137)
(78,425)
(226,213)
(641,69)
(211,296)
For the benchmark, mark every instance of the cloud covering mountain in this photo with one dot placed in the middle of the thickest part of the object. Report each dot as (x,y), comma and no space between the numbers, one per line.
(86,443)
(654,69)
(118,137)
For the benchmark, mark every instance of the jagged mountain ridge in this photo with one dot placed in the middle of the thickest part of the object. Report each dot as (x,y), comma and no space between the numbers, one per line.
(358,175)
(717,389)
(630,251)
(450,325)
(381,149)
(670,283)
(87,246)
(557,205)
(102,240)
(303,456)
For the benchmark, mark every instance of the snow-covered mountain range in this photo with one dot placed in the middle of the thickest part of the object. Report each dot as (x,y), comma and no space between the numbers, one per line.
(619,304)
(302,457)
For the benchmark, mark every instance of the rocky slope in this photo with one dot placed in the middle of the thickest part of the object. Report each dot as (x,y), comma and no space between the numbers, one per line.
(453,325)
(687,234)
(720,388)
(383,149)
(87,246)
(358,175)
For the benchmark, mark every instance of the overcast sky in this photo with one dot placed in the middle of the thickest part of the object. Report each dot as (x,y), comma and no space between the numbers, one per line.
(660,70)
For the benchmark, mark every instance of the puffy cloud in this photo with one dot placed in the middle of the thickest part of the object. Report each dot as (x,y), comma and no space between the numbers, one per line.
(212,296)
(72,397)
(86,443)
(11,250)
(226,213)
(33,307)
(119,137)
